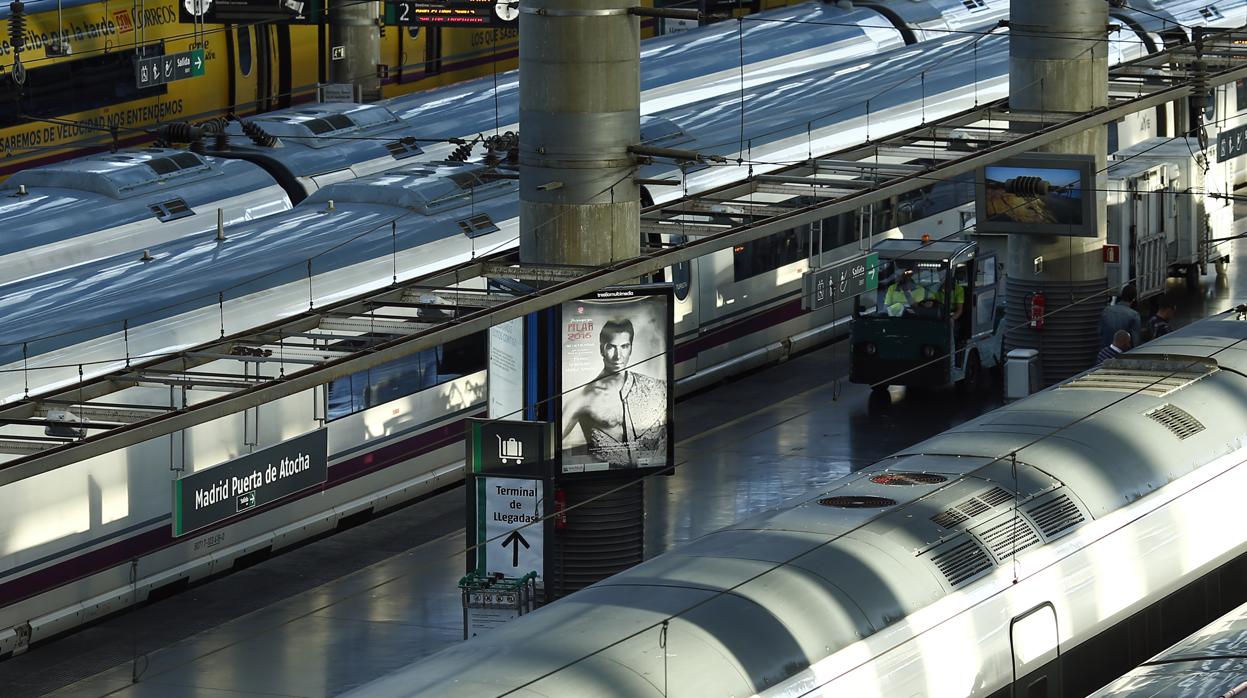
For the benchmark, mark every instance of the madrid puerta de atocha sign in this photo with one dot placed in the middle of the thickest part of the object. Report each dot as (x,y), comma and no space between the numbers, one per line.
(249,482)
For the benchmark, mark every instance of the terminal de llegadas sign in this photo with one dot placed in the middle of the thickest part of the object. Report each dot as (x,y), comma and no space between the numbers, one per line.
(249,482)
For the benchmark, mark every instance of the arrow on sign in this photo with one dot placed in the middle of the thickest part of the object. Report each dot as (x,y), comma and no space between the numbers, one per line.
(518,539)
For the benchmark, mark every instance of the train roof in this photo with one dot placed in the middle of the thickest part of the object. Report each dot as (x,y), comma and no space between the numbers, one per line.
(754,604)
(818,32)
(106,190)
(320,138)
(1210,662)
(73,305)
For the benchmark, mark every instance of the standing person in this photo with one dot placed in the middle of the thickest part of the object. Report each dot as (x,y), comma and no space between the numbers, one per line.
(1121,316)
(1121,343)
(622,414)
(1158,324)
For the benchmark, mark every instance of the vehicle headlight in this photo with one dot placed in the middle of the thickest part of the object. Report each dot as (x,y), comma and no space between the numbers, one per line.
(928,351)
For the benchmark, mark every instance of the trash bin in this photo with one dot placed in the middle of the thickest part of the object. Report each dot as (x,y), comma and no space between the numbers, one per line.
(1021,373)
(490,601)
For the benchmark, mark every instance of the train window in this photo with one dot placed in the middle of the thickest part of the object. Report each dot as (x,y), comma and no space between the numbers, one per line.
(244,50)
(186,160)
(163,166)
(934,199)
(406,376)
(73,86)
(1240,95)
(771,252)
(339,121)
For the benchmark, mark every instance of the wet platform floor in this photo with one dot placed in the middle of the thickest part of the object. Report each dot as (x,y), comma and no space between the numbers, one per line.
(342,610)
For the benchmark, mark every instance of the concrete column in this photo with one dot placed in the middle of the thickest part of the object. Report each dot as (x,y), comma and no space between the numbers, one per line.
(1058,65)
(580,101)
(353,26)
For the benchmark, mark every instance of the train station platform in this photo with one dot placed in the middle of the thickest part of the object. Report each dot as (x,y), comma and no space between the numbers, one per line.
(342,610)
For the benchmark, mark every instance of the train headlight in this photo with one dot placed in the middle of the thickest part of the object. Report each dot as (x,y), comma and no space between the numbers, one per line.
(928,351)
(871,349)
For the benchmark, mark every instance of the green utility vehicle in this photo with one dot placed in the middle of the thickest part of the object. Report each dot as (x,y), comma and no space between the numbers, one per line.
(937,317)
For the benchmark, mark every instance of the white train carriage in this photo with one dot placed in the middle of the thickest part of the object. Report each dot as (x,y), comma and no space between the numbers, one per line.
(1038,550)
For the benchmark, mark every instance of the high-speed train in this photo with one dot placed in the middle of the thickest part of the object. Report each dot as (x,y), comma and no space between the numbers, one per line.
(1039,550)
(1211,662)
(395,433)
(116,202)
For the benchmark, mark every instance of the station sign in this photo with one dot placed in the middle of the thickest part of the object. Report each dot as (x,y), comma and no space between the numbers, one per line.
(249,482)
(453,13)
(511,528)
(825,286)
(508,464)
(160,70)
(1231,143)
(510,447)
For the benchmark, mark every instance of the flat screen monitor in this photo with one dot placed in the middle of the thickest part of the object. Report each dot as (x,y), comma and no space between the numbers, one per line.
(1044,194)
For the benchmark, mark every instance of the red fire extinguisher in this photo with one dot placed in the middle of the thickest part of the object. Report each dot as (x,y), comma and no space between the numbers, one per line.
(560,509)
(1038,307)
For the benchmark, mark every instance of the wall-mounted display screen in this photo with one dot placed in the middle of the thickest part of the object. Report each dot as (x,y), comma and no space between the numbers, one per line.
(1047,194)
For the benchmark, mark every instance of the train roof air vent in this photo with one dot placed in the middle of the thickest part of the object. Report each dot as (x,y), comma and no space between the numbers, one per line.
(401,150)
(974,5)
(1157,377)
(171,210)
(478,225)
(1010,534)
(962,562)
(1176,420)
(971,507)
(903,479)
(1055,515)
(856,502)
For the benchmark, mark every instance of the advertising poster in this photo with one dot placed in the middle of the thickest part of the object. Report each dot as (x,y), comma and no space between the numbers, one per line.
(616,380)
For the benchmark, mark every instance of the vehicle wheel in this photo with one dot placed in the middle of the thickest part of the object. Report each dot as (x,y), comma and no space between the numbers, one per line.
(1192,277)
(972,382)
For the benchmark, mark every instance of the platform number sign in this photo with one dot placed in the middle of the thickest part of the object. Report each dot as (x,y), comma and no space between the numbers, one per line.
(453,13)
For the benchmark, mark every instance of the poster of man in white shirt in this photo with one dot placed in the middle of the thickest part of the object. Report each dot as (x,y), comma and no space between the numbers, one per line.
(616,380)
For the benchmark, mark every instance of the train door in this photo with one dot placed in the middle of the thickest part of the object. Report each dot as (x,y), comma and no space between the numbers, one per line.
(253,82)
(1036,648)
(683,277)
(1151,251)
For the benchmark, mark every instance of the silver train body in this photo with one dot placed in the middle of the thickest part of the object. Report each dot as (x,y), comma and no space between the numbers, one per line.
(1211,662)
(1027,552)
(84,523)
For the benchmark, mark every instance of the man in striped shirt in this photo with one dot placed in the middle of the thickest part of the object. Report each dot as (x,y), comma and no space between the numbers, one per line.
(1121,342)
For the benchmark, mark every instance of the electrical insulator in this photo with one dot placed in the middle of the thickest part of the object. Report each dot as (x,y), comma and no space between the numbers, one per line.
(17,25)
